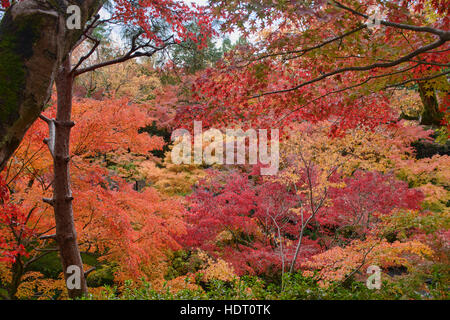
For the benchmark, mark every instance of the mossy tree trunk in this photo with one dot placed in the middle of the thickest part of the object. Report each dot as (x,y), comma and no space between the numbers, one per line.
(33,43)
(17,273)
(430,116)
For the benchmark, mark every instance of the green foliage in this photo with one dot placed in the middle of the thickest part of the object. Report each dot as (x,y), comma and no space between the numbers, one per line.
(191,58)
(404,223)
(182,263)
(154,130)
(442,135)
(50,265)
(431,285)
(104,275)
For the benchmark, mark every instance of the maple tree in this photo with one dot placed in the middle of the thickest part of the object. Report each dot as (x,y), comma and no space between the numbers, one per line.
(366,197)
(320,60)
(11,216)
(120,225)
(261,225)
(338,264)
(233,218)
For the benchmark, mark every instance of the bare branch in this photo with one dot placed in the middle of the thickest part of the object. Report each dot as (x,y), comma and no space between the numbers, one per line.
(131,54)
(85,57)
(50,236)
(418,79)
(51,129)
(89,271)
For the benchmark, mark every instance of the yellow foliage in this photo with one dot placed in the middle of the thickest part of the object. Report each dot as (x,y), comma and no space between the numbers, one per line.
(34,284)
(338,263)
(171,179)
(216,269)
(134,79)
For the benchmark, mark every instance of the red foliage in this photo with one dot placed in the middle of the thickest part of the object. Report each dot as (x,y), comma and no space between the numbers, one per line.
(292,73)
(176,13)
(134,229)
(12,227)
(244,222)
(249,222)
(5,3)
(367,195)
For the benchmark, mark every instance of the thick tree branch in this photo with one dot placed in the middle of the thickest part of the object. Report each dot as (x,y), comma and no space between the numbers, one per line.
(400,60)
(318,46)
(131,54)
(442,34)
(359,84)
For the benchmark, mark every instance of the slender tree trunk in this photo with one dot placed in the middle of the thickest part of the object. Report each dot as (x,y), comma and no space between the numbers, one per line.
(66,236)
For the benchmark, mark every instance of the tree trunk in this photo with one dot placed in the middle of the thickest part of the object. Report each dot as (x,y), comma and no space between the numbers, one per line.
(430,115)
(33,42)
(62,194)
(17,273)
